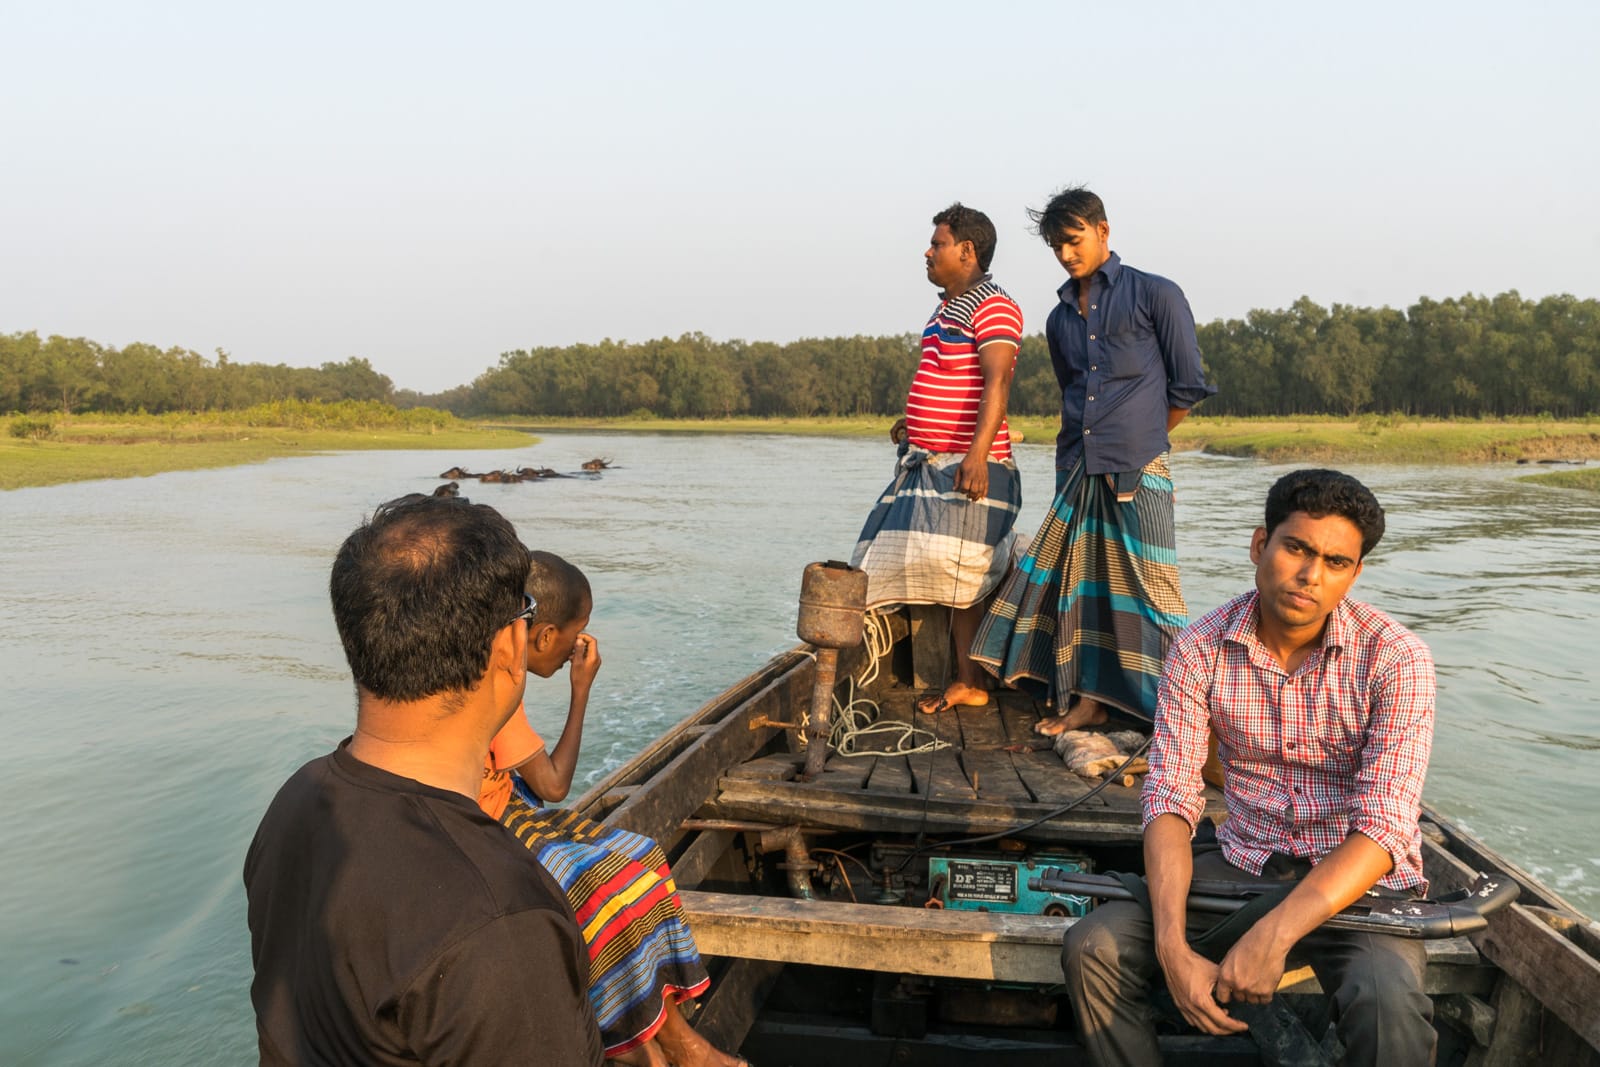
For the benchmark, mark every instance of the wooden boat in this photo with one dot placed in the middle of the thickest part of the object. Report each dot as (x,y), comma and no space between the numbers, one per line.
(805,895)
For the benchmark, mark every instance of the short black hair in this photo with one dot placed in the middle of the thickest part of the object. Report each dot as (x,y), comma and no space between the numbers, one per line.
(1320,493)
(970,224)
(419,592)
(1072,208)
(560,588)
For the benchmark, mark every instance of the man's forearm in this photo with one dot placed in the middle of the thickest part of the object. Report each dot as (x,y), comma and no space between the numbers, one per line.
(1169,868)
(1175,416)
(991,413)
(1338,881)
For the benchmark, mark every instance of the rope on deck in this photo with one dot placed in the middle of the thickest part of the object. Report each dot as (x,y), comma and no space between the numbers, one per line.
(857,717)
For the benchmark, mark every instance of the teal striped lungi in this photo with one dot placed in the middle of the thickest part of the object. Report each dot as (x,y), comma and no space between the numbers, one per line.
(1095,602)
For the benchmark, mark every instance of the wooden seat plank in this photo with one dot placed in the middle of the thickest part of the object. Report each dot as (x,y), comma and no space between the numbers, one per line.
(988,946)
(813,805)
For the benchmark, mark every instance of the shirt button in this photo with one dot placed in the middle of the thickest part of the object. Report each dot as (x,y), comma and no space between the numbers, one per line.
(1091,337)
(1094,366)
(1297,790)
(1091,398)
(1290,746)
(1094,307)
(1086,433)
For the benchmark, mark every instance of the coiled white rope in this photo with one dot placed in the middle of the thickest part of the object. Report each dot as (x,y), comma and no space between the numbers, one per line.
(858,717)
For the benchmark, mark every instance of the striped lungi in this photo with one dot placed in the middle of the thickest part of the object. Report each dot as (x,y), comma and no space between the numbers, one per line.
(1095,602)
(621,891)
(926,543)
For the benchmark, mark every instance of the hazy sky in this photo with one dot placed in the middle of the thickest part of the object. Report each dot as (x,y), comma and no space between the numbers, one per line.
(429,185)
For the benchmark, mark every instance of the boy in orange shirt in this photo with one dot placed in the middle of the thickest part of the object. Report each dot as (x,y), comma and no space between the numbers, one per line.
(642,965)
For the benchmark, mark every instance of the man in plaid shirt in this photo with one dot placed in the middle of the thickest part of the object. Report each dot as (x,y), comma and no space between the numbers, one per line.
(1323,711)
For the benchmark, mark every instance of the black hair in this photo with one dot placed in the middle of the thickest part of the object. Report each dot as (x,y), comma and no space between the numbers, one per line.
(419,592)
(560,588)
(1320,493)
(1072,208)
(970,224)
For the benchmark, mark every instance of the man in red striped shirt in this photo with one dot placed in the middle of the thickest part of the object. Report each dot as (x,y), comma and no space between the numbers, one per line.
(1323,711)
(942,531)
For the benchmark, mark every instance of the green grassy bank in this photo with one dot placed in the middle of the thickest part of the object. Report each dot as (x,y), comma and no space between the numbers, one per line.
(53,449)
(1370,438)
(1588,479)
(86,447)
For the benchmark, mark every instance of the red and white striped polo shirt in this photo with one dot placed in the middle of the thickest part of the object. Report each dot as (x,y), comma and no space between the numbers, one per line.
(942,409)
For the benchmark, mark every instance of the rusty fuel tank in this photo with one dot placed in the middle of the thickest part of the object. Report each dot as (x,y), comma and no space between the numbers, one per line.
(833,601)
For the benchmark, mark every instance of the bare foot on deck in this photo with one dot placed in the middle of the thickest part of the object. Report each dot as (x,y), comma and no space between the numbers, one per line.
(958,695)
(1086,712)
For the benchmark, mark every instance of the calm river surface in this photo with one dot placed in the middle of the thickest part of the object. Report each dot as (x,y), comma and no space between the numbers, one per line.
(169,659)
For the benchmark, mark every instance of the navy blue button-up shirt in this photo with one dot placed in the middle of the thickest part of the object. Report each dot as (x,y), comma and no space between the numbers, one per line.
(1122,367)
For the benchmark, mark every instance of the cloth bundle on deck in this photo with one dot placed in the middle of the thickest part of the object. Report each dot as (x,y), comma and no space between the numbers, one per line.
(1092,753)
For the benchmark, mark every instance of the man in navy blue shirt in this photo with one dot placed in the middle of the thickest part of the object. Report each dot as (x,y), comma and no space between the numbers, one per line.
(1087,617)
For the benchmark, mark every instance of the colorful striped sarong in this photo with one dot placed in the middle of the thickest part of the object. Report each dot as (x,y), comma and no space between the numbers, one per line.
(621,891)
(1095,602)
(925,543)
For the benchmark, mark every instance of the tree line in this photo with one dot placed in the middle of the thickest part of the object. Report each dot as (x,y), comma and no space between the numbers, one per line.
(72,374)
(1476,356)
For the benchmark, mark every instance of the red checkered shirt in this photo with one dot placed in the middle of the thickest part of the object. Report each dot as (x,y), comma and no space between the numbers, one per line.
(1340,745)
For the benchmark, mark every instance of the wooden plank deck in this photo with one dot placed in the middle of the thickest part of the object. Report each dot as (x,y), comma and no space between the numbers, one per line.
(995,773)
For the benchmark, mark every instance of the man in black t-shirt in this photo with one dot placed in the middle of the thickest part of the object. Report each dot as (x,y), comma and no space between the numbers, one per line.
(391,921)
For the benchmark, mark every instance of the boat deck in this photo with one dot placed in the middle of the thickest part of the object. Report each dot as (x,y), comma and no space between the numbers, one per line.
(995,774)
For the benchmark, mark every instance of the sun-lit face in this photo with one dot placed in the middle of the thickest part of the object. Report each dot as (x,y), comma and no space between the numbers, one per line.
(1304,569)
(1083,250)
(547,656)
(949,262)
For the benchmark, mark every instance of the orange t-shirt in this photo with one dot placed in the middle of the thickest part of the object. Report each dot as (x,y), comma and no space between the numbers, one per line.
(514,745)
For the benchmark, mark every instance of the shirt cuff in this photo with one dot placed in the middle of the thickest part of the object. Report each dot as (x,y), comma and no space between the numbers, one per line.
(1386,836)
(1158,804)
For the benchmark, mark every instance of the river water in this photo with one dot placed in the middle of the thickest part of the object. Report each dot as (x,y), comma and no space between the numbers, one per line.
(169,659)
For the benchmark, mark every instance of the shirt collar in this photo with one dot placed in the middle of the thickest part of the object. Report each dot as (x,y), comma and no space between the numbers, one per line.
(981,281)
(1109,270)
(1242,627)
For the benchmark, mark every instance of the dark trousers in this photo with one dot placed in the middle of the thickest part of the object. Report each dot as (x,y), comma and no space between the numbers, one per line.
(1374,980)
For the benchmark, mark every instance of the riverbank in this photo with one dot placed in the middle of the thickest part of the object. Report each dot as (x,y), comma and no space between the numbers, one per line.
(82,448)
(1586,479)
(1368,439)
(92,447)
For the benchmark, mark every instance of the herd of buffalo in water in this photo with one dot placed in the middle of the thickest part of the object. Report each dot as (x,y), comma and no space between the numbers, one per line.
(519,474)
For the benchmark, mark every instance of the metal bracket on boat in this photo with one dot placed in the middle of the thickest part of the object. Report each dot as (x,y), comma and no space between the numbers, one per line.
(1452,915)
(761,722)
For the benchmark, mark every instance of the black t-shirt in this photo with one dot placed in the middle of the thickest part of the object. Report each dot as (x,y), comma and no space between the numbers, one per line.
(395,923)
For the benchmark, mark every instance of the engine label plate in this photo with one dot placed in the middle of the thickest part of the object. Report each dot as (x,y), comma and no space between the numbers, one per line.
(992,882)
